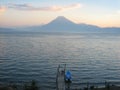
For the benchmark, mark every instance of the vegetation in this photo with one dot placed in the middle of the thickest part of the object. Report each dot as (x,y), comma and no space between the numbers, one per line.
(31,86)
(107,87)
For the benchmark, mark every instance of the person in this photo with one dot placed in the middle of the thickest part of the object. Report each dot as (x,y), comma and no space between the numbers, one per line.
(68,76)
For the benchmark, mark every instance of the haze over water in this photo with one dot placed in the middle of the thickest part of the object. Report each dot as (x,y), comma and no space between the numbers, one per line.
(89,57)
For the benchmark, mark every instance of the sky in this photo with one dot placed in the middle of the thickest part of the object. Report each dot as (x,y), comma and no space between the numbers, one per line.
(20,13)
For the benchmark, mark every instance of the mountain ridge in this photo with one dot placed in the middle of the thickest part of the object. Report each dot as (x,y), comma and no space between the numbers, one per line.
(62,24)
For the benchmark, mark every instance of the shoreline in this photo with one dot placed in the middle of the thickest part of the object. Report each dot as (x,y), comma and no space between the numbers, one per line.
(34,86)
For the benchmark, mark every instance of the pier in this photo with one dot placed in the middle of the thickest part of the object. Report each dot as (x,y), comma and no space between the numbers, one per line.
(60,78)
(61,85)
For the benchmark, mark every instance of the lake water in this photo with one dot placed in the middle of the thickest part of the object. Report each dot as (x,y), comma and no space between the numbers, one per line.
(36,56)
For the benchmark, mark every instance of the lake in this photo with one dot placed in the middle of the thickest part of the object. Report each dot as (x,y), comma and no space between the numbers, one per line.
(36,56)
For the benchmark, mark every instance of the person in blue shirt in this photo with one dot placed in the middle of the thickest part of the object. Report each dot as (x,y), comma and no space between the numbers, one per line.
(68,76)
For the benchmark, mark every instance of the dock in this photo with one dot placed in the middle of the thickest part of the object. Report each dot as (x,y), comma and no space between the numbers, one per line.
(60,78)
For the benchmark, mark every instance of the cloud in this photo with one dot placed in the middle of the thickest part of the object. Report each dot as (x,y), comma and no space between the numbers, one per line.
(28,7)
(2,9)
(118,11)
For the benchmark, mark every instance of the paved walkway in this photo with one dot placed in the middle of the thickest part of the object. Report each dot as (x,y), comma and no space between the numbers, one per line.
(60,79)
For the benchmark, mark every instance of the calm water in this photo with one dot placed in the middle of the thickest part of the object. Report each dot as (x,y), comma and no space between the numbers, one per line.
(90,57)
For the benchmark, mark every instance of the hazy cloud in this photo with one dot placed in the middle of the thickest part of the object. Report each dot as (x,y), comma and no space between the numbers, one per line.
(29,7)
(2,9)
(118,11)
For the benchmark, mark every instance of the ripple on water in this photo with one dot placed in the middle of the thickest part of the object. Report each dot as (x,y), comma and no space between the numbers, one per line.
(90,58)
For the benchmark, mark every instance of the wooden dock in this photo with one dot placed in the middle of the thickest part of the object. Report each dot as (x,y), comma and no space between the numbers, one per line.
(60,78)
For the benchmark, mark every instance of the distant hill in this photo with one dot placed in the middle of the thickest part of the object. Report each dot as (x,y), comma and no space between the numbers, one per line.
(111,30)
(62,24)
(6,30)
